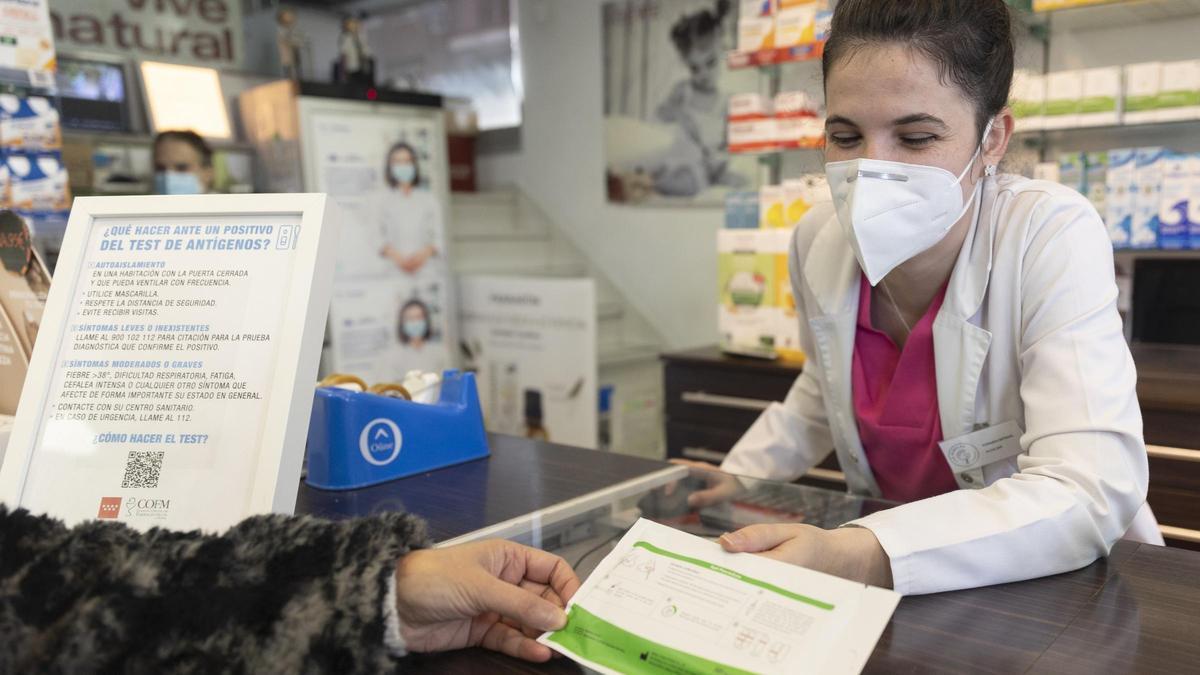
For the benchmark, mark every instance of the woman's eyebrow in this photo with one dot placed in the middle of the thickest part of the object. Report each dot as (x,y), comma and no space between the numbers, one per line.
(919,118)
(838,119)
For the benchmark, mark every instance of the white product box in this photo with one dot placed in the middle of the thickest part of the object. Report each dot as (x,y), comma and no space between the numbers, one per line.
(1147,199)
(1071,171)
(29,124)
(755,8)
(1095,166)
(1174,203)
(39,181)
(1101,100)
(1194,206)
(748,106)
(756,34)
(752,135)
(1143,84)
(1064,91)
(1029,100)
(1118,211)
(795,22)
(1179,96)
(797,124)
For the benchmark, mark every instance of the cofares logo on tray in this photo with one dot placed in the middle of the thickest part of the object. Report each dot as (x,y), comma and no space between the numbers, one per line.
(380,442)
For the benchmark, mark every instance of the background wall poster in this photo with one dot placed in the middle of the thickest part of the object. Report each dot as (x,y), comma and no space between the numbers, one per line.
(665,91)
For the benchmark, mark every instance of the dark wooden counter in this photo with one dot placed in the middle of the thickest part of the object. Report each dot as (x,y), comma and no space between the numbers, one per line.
(1136,612)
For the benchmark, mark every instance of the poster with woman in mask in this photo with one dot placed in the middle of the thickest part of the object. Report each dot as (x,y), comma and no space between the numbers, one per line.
(24,285)
(665,91)
(387,171)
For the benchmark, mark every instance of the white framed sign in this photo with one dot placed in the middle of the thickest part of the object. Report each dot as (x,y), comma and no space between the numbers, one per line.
(171,383)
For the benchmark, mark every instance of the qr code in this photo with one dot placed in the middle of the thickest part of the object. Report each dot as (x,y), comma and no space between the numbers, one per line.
(142,469)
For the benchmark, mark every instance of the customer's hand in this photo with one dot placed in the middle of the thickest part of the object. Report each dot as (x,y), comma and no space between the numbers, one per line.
(848,552)
(719,486)
(495,594)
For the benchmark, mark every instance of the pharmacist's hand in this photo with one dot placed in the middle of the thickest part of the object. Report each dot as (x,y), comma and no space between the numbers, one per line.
(389,252)
(719,486)
(848,552)
(494,594)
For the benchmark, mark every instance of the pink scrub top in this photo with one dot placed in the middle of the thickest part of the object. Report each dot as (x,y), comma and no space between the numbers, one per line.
(895,402)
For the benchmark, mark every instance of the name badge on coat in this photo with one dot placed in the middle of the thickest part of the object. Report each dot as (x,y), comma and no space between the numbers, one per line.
(980,448)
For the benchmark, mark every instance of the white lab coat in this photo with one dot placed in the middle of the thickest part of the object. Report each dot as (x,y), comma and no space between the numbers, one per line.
(1028,332)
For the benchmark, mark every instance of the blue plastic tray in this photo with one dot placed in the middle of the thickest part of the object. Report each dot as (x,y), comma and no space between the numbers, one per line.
(356,439)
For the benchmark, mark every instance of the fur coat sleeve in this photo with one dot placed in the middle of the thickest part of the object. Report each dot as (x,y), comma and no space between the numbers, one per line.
(272,594)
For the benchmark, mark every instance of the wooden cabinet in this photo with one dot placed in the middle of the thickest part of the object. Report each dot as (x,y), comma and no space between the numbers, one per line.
(711,399)
(1169,393)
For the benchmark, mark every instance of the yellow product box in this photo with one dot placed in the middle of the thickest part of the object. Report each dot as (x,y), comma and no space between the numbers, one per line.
(795,22)
(756,34)
(772,207)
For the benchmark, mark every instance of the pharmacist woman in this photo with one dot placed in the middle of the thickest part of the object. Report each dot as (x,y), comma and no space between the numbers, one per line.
(938,299)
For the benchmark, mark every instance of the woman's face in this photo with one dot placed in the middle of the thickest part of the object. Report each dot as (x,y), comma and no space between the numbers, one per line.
(403,167)
(180,157)
(704,62)
(415,322)
(890,102)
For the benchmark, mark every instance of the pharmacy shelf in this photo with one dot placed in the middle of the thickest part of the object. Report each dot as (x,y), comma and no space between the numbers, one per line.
(1179,125)
(1156,253)
(774,57)
(777,152)
(1116,13)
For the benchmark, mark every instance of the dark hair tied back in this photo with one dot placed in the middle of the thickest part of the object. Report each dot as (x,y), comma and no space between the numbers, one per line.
(971,42)
(691,28)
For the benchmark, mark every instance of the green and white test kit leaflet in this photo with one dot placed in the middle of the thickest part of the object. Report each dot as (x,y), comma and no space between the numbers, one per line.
(171,383)
(665,601)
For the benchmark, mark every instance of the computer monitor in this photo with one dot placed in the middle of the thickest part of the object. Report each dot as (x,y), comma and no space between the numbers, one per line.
(94,95)
(1166,306)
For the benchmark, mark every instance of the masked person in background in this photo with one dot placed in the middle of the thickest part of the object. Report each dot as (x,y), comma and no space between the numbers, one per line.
(183,164)
(415,328)
(24,285)
(965,354)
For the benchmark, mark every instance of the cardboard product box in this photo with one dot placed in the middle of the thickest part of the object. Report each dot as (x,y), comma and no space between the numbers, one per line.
(1143,84)
(1064,93)
(1147,198)
(1100,104)
(1179,96)
(755,8)
(800,194)
(756,34)
(1174,206)
(797,121)
(757,307)
(1096,168)
(29,123)
(1194,204)
(1029,100)
(38,180)
(756,135)
(746,106)
(741,210)
(1071,171)
(772,207)
(1119,197)
(795,22)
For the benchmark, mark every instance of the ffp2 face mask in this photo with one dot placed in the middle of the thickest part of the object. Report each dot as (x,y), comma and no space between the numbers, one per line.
(893,211)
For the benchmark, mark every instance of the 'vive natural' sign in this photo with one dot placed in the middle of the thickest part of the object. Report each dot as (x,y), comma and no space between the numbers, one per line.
(199,32)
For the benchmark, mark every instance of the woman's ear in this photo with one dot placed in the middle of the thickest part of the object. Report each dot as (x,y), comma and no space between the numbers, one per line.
(995,146)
